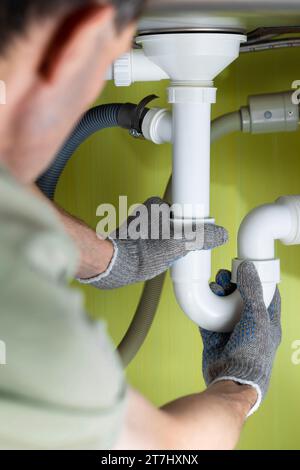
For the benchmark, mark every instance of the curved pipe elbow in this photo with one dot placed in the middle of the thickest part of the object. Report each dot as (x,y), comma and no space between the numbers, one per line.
(260,229)
(258,232)
(191,277)
(206,309)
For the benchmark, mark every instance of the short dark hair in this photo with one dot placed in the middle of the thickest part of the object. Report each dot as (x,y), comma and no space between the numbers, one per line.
(15,14)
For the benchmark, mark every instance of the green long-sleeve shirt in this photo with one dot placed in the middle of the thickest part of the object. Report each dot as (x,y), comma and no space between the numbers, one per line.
(62,385)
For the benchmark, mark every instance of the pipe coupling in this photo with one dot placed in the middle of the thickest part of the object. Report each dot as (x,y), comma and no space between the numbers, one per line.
(293,204)
(268,270)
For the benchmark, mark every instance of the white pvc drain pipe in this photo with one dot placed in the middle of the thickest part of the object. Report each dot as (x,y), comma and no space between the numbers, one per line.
(191,61)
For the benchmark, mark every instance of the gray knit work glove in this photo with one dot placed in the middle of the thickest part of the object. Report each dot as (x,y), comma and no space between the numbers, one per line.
(247,354)
(145,258)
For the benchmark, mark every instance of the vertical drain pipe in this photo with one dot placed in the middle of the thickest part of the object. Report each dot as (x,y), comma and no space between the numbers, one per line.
(191,178)
(191,148)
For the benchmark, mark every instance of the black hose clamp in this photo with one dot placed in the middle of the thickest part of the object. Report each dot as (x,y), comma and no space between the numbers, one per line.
(139,115)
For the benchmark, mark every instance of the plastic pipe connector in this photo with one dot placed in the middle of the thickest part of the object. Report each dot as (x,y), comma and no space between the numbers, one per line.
(157,126)
(273,113)
(133,67)
(257,234)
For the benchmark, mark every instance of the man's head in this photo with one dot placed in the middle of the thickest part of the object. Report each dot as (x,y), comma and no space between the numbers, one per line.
(53,58)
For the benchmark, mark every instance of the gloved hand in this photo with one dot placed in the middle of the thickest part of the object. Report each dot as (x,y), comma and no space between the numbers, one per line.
(247,354)
(145,258)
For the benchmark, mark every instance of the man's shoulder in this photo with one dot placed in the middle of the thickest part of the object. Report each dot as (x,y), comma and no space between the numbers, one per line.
(30,233)
(18,204)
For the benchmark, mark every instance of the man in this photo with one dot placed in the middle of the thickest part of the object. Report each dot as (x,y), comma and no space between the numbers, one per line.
(63,387)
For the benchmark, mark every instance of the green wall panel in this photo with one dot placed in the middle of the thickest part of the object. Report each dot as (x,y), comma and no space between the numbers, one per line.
(246,171)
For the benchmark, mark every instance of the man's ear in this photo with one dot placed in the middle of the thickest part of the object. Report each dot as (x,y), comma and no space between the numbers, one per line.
(73,39)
